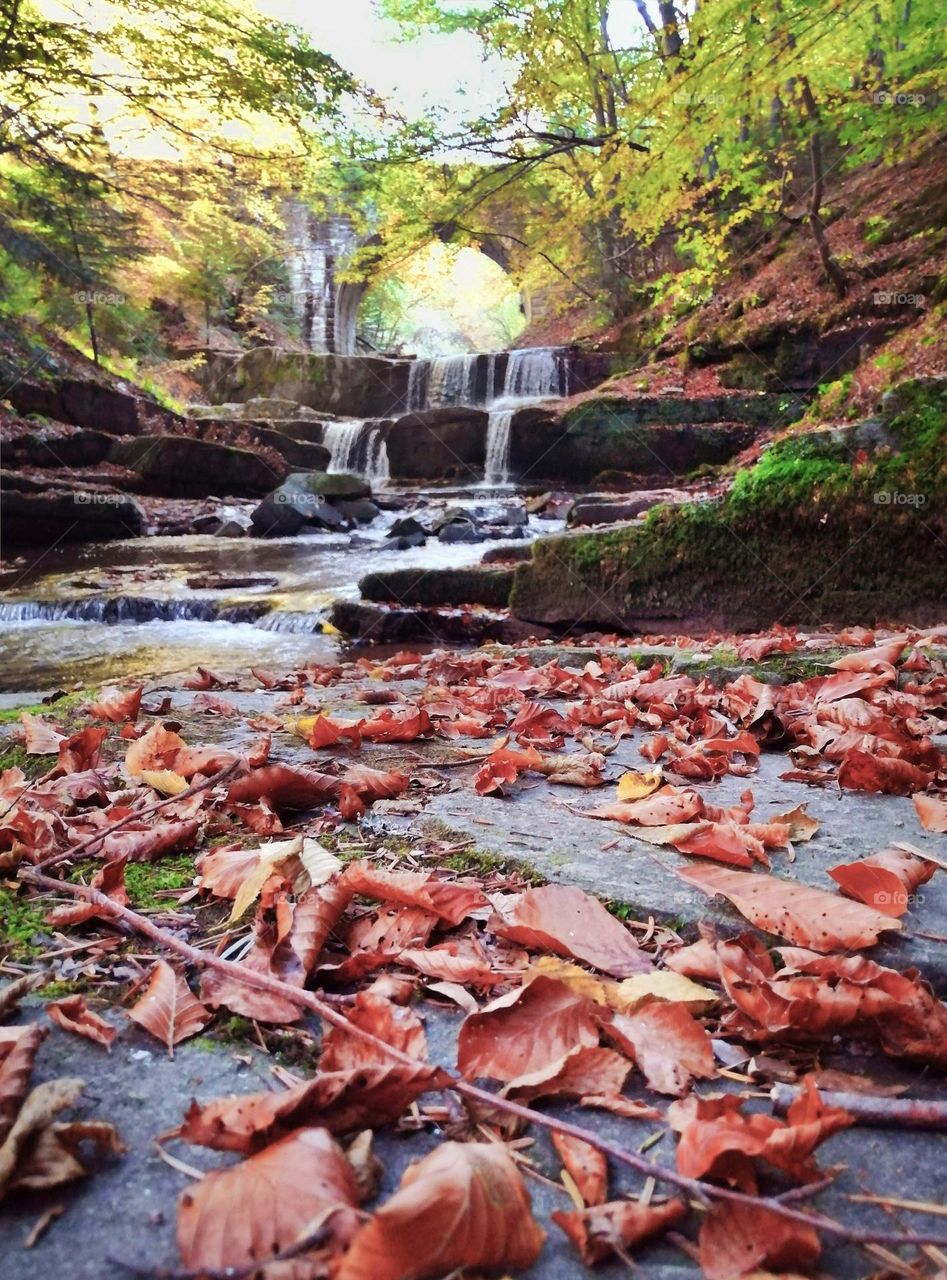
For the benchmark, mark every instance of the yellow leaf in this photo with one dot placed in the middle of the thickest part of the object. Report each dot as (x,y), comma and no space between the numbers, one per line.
(329,630)
(802,826)
(662,984)
(166,781)
(320,864)
(271,855)
(580,980)
(634,786)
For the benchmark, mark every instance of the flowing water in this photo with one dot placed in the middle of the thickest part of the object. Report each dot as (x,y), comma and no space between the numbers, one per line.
(532,375)
(158,606)
(358,448)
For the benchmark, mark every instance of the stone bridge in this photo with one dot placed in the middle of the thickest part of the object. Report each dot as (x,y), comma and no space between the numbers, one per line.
(321,246)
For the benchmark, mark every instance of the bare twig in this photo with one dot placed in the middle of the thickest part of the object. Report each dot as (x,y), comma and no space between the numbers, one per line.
(884,1113)
(445,1079)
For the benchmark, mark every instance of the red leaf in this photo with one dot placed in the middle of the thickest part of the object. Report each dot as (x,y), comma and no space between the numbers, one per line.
(40,737)
(247,1213)
(885,881)
(342,1101)
(451,900)
(586,1165)
(565,920)
(806,916)
(670,1048)
(740,1239)
(525,1030)
(81,751)
(605,1229)
(863,771)
(932,812)
(398,1027)
(585,1072)
(168,1009)
(72,1014)
(283,786)
(464,1205)
(117,705)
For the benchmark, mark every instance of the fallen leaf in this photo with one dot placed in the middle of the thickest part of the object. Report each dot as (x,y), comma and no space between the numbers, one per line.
(72,1014)
(165,781)
(341,1101)
(525,1030)
(18,1049)
(669,1048)
(586,1165)
(283,786)
(451,900)
(932,812)
(664,985)
(464,1205)
(865,771)
(168,1009)
(634,786)
(40,738)
(607,1229)
(739,1240)
(155,750)
(586,1071)
(802,826)
(806,916)
(398,1027)
(117,705)
(565,920)
(885,881)
(249,1212)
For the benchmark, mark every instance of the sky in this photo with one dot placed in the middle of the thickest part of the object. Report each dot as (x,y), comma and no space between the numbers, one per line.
(435,70)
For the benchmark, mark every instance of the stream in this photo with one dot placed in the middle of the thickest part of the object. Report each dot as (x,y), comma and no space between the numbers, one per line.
(98,612)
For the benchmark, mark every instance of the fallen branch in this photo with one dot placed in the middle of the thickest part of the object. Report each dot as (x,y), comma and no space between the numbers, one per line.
(884,1113)
(444,1079)
(192,790)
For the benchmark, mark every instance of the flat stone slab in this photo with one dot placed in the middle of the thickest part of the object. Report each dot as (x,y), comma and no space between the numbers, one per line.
(126,1208)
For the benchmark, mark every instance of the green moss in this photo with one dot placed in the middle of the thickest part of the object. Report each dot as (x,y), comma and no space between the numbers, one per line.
(21,919)
(14,757)
(145,881)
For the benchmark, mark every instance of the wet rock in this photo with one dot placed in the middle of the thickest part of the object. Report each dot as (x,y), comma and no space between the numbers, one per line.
(597,509)
(89,515)
(505,555)
(357,510)
(472,585)
(438,444)
(460,531)
(335,486)
(550,506)
(229,582)
(302,455)
(408,527)
(180,466)
(356,386)
(516,514)
(407,541)
(289,508)
(51,447)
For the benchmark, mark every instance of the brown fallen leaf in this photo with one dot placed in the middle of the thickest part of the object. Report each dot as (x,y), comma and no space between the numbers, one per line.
(18,1049)
(669,1047)
(117,705)
(464,1205)
(865,771)
(168,1009)
(72,1014)
(284,786)
(565,920)
(40,738)
(525,1030)
(802,826)
(885,881)
(13,992)
(808,917)
(586,1166)
(39,1153)
(587,1071)
(718,1141)
(399,1027)
(110,880)
(738,1240)
(451,900)
(257,1208)
(341,1101)
(614,1228)
(931,811)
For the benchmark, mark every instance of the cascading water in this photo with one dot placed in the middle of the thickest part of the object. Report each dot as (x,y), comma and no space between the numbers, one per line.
(357,448)
(530,375)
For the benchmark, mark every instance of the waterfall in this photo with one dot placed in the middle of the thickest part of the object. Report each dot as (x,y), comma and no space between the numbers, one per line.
(451,380)
(497,468)
(341,439)
(357,449)
(113,610)
(533,374)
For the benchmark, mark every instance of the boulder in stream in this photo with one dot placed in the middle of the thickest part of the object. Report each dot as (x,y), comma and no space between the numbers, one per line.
(310,498)
(180,466)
